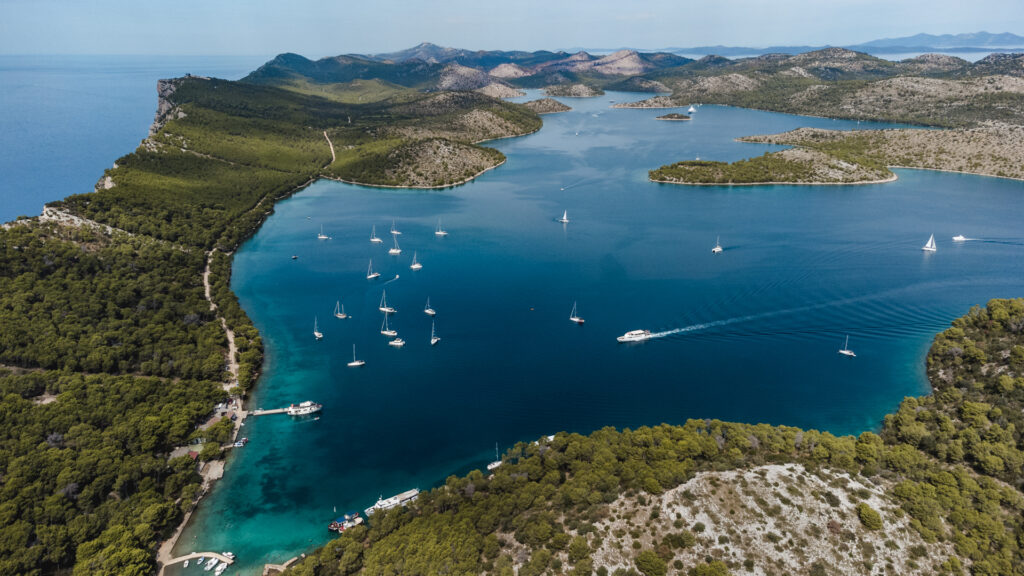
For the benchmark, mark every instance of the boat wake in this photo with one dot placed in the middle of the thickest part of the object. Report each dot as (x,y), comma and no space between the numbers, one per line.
(390,281)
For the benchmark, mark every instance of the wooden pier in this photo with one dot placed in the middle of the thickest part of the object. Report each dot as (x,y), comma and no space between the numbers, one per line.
(265,412)
(216,555)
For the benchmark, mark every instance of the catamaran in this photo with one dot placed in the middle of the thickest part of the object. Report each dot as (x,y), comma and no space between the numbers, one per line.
(384,304)
(415,265)
(434,338)
(930,246)
(370,274)
(386,330)
(718,246)
(497,459)
(428,310)
(845,350)
(396,250)
(339,310)
(440,231)
(394,229)
(321,235)
(573,317)
(565,217)
(316,330)
(354,363)
(373,235)
(635,336)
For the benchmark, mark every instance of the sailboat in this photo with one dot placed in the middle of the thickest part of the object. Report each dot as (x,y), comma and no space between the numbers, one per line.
(428,310)
(355,362)
(316,330)
(691,110)
(321,235)
(415,265)
(497,459)
(440,231)
(386,330)
(384,304)
(565,217)
(373,235)
(845,351)
(718,246)
(396,250)
(434,338)
(394,229)
(573,317)
(370,274)
(930,246)
(339,311)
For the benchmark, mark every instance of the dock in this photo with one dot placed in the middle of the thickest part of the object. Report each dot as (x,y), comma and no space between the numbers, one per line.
(265,412)
(216,555)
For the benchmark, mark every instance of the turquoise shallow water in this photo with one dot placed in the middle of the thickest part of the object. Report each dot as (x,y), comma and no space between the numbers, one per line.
(802,268)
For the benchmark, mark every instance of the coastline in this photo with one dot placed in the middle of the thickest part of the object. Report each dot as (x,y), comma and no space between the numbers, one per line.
(893,178)
(441,187)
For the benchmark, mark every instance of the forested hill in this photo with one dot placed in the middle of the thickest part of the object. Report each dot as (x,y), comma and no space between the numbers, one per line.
(110,353)
(937,492)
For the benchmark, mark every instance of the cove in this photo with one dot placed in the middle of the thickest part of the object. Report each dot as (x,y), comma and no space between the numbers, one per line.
(802,267)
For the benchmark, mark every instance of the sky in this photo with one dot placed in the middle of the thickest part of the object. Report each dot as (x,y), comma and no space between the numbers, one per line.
(318,28)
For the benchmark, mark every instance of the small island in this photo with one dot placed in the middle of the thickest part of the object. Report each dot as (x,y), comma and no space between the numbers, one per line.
(546,106)
(674,116)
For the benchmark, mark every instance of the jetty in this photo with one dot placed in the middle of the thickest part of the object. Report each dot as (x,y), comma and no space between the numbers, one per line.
(216,555)
(261,412)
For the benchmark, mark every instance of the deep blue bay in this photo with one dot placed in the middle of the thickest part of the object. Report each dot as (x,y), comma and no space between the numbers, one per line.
(758,326)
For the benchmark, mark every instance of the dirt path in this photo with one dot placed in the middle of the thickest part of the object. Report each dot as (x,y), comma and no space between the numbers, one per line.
(331,144)
(232,349)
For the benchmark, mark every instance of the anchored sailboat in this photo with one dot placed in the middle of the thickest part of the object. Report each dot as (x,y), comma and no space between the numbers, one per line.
(718,246)
(565,217)
(573,317)
(396,250)
(415,265)
(440,231)
(428,310)
(497,459)
(321,235)
(373,235)
(355,362)
(339,310)
(930,246)
(370,274)
(434,338)
(845,350)
(394,229)
(384,304)
(316,330)
(691,110)
(386,330)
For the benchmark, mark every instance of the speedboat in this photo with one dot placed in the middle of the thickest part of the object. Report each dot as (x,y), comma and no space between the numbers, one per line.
(635,336)
(959,238)
(397,343)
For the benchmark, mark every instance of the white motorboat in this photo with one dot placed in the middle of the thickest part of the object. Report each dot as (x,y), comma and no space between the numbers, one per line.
(573,317)
(845,350)
(370,274)
(635,336)
(339,310)
(396,500)
(959,238)
(316,330)
(302,409)
(565,217)
(415,265)
(384,304)
(185,565)
(428,310)
(930,246)
(397,343)
(354,363)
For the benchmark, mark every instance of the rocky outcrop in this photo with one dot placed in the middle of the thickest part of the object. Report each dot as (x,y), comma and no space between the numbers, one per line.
(656,102)
(458,77)
(932,64)
(573,91)
(497,90)
(164,105)
(621,63)
(508,70)
(546,106)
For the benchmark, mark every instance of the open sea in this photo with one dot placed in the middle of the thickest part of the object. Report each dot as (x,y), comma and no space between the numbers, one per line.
(748,335)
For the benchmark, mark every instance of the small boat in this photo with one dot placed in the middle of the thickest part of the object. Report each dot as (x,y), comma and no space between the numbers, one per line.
(415,265)
(691,110)
(370,274)
(200,561)
(497,459)
(573,317)
(321,235)
(396,250)
(386,330)
(210,564)
(185,565)
(428,310)
(394,229)
(229,555)
(440,231)
(397,343)
(959,238)
(316,330)
(635,336)
(930,246)
(718,246)
(221,568)
(565,217)
(373,235)
(354,363)
(384,304)
(339,310)
(434,338)
(302,409)
(845,350)
(295,257)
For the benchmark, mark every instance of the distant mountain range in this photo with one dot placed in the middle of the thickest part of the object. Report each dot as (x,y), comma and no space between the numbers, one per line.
(969,42)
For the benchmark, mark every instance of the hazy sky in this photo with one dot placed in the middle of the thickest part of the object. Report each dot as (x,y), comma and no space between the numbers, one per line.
(317,28)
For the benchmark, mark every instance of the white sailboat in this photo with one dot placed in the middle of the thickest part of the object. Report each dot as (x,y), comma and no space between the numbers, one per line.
(339,310)
(384,304)
(930,246)
(691,110)
(440,231)
(845,350)
(573,317)
(373,235)
(394,229)
(718,246)
(434,338)
(565,217)
(497,459)
(415,265)
(316,330)
(428,310)
(370,274)
(396,250)
(386,330)
(355,362)
(321,235)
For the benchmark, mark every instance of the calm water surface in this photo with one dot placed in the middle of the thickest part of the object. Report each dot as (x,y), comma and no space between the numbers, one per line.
(756,329)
